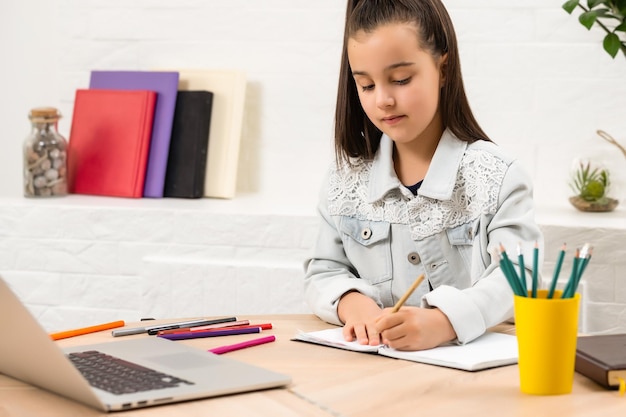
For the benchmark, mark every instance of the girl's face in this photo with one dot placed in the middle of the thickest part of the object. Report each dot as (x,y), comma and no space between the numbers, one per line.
(398,82)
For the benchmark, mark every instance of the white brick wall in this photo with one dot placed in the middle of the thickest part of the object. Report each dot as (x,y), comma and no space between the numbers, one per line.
(81,259)
(539,83)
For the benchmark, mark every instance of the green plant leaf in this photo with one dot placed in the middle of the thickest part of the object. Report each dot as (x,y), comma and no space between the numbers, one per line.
(612,44)
(604,12)
(621,28)
(570,5)
(593,3)
(621,6)
(587,19)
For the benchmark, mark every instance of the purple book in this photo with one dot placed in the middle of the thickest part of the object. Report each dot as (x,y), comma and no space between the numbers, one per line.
(165,84)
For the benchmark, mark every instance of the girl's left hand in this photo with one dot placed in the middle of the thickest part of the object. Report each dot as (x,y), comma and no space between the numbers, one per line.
(415,328)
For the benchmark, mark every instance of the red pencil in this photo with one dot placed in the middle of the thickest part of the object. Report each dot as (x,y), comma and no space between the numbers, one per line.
(263,326)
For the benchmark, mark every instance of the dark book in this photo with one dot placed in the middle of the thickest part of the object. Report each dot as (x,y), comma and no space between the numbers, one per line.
(186,164)
(109,142)
(602,358)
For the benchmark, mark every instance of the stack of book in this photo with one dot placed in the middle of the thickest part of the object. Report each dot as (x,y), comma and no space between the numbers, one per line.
(157,134)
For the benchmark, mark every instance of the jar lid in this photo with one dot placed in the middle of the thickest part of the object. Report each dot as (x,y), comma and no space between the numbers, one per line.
(44,113)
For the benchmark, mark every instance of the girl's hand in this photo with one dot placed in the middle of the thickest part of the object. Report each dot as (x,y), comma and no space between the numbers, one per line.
(358,313)
(414,328)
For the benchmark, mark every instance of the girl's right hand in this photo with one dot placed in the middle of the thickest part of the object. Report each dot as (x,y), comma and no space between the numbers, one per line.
(359,313)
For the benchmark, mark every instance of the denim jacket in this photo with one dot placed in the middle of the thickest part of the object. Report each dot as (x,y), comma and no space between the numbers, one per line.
(376,237)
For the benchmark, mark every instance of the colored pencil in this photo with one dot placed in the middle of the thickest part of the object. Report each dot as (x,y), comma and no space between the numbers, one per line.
(248,343)
(86,330)
(209,333)
(156,328)
(205,327)
(581,260)
(572,277)
(522,268)
(262,326)
(509,272)
(557,271)
(203,322)
(535,272)
(579,267)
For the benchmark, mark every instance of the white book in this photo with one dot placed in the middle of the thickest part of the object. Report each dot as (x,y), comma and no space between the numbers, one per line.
(487,351)
(229,93)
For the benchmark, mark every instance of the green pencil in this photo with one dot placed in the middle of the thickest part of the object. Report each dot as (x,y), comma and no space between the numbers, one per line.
(522,268)
(572,278)
(510,274)
(557,271)
(584,261)
(535,267)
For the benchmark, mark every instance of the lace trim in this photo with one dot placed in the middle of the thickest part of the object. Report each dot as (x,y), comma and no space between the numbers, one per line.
(475,193)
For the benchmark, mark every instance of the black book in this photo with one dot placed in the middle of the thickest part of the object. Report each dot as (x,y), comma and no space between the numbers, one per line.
(186,164)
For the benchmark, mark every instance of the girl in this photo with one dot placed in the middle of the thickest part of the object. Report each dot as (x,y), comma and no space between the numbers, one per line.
(417,188)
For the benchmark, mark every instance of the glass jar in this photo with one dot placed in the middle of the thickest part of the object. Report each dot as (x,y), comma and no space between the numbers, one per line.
(45,156)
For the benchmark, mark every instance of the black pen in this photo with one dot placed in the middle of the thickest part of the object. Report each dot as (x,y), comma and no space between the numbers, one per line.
(173,326)
(155,329)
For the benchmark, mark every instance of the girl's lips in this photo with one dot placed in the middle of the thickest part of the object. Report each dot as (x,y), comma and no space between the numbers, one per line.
(392,120)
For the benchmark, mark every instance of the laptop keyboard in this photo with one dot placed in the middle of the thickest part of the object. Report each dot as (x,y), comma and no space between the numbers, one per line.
(118,376)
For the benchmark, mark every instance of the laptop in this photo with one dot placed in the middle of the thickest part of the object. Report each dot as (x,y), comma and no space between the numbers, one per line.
(28,353)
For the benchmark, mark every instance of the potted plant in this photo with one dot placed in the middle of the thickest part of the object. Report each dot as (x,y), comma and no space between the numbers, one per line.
(591,185)
(610,15)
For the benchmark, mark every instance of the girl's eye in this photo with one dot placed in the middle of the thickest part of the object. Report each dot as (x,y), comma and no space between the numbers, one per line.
(367,87)
(403,82)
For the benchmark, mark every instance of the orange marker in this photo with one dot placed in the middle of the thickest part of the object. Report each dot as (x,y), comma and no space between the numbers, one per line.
(86,330)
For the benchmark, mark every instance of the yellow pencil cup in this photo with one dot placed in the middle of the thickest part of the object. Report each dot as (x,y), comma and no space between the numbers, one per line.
(546,336)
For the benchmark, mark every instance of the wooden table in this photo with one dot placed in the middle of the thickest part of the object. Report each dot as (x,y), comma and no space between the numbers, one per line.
(334,382)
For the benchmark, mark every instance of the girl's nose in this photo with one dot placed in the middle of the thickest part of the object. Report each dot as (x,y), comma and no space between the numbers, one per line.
(384,99)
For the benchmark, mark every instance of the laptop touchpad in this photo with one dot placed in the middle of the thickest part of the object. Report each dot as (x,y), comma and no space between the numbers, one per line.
(183,360)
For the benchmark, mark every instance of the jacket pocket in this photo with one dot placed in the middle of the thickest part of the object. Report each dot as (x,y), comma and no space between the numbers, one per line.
(462,239)
(368,247)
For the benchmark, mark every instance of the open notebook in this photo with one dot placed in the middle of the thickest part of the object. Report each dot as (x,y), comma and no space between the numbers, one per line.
(488,351)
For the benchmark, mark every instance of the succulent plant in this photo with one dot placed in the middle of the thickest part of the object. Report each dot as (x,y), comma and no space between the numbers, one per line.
(590,183)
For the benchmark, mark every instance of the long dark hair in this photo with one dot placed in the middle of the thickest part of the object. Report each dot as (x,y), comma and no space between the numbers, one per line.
(355,134)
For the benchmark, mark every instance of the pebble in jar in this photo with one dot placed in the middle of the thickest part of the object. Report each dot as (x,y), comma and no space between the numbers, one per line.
(45,151)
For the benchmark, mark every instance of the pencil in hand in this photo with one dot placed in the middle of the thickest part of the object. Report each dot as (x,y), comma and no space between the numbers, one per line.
(408,293)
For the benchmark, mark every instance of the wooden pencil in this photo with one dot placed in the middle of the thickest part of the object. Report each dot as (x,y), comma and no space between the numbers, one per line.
(407,294)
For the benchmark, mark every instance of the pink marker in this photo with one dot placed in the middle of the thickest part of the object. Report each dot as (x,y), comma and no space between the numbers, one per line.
(249,343)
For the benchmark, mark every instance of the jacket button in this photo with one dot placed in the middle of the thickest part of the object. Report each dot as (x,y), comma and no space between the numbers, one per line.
(414,258)
(366,233)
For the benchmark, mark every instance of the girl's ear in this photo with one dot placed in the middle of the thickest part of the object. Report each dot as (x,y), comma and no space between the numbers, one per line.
(443,69)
